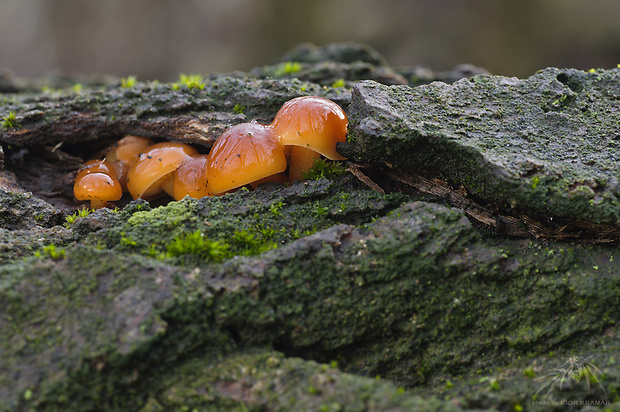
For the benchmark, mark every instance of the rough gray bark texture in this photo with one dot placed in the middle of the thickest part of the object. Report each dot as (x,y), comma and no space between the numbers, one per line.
(435,274)
(546,145)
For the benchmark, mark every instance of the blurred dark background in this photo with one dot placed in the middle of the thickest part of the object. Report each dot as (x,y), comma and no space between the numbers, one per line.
(158,39)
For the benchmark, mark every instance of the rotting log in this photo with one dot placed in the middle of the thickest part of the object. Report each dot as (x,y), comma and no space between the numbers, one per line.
(400,298)
(394,269)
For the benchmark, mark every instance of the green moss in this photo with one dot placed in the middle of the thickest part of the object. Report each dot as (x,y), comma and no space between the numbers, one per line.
(265,231)
(192,81)
(252,244)
(155,252)
(153,226)
(276,208)
(128,82)
(52,251)
(127,240)
(70,219)
(529,372)
(276,382)
(248,222)
(196,248)
(323,168)
(10,121)
(287,68)
(338,83)
(197,245)
(238,108)
(320,211)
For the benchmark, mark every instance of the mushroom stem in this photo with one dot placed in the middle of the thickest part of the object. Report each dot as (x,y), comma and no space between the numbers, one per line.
(168,185)
(302,160)
(97,203)
(277,178)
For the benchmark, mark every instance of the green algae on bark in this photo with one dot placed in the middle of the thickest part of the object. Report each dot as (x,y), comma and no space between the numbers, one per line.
(418,296)
(546,145)
(259,379)
(399,297)
(266,380)
(247,222)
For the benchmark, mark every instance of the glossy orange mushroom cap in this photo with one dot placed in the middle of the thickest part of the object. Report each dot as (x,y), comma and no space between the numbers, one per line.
(244,154)
(312,122)
(151,173)
(191,179)
(125,152)
(97,166)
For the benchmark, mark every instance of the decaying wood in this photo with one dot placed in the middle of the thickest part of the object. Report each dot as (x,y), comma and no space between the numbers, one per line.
(519,225)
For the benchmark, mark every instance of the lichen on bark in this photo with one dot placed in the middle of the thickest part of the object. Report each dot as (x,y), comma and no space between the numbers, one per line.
(545,145)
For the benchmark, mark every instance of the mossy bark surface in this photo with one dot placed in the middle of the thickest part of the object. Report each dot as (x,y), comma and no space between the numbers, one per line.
(546,145)
(366,290)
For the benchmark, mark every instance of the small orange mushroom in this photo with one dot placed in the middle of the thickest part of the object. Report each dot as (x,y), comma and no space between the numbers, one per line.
(124,153)
(97,181)
(191,179)
(244,154)
(97,166)
(152,172)
(312,125)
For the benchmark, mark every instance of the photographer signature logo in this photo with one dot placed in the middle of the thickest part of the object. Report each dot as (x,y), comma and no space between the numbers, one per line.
(574,369)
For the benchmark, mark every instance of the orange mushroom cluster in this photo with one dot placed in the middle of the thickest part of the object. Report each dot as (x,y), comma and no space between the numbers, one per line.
(145,170)
(246,154)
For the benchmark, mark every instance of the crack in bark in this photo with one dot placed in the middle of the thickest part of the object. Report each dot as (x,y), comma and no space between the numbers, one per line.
(517,225)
